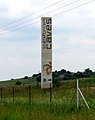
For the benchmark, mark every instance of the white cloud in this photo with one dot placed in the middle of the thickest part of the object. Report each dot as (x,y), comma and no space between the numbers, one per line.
(3,8)
(73,38)
(18,58)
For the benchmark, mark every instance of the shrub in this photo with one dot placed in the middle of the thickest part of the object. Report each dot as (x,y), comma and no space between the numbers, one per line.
(18,83)
(26,77)
(56,81)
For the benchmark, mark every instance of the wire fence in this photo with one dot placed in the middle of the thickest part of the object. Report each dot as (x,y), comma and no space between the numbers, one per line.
(63,96)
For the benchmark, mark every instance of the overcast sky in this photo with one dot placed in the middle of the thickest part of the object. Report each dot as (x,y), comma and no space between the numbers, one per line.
(73,36)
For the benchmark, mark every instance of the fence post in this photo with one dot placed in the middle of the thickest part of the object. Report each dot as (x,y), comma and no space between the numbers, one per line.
(50,94)
(77,95)
(1,93)
(13,93)
(29,94)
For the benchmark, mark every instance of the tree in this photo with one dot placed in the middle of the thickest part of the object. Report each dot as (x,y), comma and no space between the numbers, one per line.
(26,77)
(18,83)
(78,75)
(56,81)
(88,73)
(56,73)
(34,75)
(61,77)
(68,75)
(63,71)
(38,78)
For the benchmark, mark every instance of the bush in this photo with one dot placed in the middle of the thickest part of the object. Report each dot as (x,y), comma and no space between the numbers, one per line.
(26,77)
(18,83)
(56,81)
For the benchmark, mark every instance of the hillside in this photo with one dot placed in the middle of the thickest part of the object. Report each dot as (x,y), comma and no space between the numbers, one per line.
(58,76)
(23,81)
(83,82)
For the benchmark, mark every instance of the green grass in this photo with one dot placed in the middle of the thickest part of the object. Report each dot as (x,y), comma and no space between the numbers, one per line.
(90,82)
(23,81)
(62,107)
(43,111)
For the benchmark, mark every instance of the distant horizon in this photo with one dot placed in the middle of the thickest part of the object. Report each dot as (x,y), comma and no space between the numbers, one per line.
(18,77)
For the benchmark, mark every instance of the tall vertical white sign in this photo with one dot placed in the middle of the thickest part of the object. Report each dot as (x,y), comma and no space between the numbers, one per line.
(46,52)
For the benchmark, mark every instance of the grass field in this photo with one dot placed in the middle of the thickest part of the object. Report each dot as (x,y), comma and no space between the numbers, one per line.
(61,107)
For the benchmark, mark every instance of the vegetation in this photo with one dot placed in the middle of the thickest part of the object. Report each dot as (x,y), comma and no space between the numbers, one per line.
(18,83)
(66,75)
(43,112)
(23,81)
(31,103)
(61,107)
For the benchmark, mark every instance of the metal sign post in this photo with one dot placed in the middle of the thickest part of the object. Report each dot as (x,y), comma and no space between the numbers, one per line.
(77,95)
(79,91)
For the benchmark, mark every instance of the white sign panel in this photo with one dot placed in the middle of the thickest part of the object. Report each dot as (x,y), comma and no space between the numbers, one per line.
(46,52)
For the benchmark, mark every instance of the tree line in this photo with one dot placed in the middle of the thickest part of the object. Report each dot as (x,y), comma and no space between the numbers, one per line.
(67,75)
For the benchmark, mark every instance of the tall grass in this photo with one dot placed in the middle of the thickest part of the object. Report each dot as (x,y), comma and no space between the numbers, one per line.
(43,111)
(62,106)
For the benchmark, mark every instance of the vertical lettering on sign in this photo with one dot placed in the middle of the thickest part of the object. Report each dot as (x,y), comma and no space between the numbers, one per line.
(46,52)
